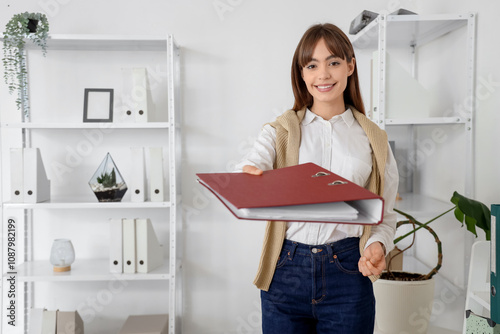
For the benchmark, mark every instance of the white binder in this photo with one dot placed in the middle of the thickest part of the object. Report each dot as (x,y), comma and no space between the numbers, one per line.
(156,190)
(127,107)
(115,245)
(36,320)
(135,94)
(149,250)
(16,175)
(129,246)
(36,183)
(49,321)
(137,181)
(140,94)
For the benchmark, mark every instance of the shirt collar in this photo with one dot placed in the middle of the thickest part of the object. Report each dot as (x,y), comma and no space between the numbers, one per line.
(346,116)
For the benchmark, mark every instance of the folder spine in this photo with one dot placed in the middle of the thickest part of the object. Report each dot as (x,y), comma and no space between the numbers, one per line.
(149,250)
(36,184)
(156,189)
(116,246)
(138,176)
(140,95)
(495,263)
(129,246)
(16,175)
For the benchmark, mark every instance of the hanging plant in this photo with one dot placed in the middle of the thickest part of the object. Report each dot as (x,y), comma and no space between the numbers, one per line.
(22,27)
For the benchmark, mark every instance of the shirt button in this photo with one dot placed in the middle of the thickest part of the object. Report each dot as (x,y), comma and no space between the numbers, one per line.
(314,250)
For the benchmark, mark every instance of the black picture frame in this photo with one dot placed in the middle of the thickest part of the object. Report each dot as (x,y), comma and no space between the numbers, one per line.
(98,105)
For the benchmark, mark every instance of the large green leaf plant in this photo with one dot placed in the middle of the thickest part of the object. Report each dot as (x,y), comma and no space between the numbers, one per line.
(471,213)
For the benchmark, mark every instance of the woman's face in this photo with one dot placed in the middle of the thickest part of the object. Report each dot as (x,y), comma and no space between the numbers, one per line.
(326,77)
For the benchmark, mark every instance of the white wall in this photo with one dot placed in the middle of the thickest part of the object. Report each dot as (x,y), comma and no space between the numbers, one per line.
(236,67)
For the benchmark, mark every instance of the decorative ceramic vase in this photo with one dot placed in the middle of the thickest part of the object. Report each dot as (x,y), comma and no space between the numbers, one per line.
(107,182)
(62,255)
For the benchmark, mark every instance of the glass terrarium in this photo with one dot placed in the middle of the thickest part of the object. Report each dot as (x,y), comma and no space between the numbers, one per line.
(107,182)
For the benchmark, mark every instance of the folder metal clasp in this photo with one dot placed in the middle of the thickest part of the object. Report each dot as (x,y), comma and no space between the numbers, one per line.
(321,174)
(334,183)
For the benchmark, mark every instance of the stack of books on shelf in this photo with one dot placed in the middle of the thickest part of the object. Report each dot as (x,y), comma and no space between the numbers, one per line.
(134,247)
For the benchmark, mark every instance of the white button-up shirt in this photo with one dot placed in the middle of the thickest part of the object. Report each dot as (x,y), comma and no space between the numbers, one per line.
(341,146)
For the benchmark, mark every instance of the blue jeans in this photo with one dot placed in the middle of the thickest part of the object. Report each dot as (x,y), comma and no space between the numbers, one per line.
(319,289)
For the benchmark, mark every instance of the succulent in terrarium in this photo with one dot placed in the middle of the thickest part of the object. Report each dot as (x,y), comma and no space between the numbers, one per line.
(107,182)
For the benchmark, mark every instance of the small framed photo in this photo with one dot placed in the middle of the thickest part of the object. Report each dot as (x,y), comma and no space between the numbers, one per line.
(98,105)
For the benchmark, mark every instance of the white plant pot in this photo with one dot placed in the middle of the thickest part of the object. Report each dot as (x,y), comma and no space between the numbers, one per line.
(403,307)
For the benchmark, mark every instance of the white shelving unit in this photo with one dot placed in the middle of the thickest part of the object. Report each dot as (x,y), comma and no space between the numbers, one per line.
(28,271)
(405,37)
(411,32)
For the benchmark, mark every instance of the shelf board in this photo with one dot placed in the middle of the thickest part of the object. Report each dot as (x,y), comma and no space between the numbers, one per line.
(86,204)
(83,270)
(482,298)
(92,125)
(425,121)
(409,30)
(420,205)
(104,43)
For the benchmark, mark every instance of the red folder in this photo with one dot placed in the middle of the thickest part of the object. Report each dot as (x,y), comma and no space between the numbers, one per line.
(305,192)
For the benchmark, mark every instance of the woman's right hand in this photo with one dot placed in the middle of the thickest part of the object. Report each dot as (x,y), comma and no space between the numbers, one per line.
(252,170)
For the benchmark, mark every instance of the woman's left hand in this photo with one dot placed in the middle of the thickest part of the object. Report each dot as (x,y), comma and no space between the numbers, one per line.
(373,260)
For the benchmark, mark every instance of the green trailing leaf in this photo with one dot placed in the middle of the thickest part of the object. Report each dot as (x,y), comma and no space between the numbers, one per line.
(473,213)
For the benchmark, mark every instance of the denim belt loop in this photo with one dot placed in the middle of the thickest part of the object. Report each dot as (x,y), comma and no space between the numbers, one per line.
(291,252)
(329,248)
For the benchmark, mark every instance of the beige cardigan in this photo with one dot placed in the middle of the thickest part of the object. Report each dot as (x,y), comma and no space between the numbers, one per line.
(287,154)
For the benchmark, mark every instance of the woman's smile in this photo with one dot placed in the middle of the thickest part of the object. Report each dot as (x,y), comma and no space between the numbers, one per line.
(324,88)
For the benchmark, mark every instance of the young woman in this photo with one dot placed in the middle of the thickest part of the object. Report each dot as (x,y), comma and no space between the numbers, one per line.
(315,277)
